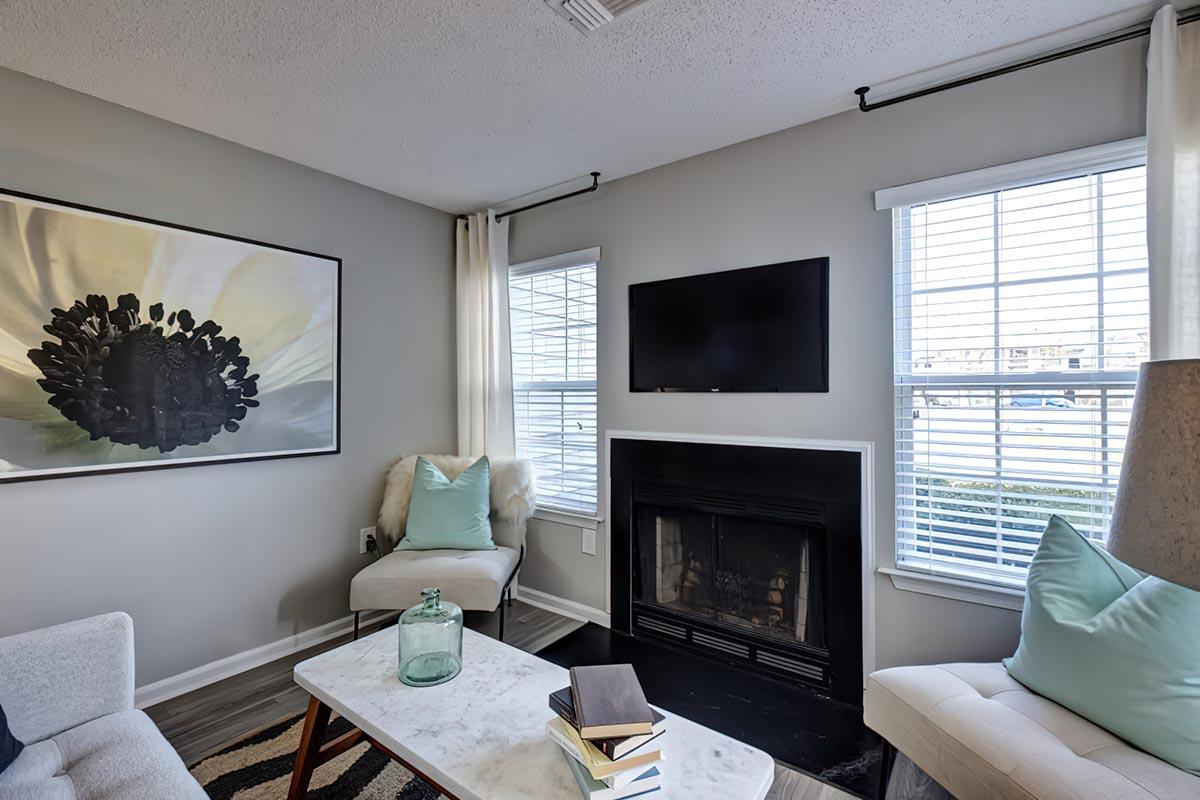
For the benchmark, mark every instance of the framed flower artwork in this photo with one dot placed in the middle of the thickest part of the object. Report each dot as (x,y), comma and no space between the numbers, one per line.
(127,343)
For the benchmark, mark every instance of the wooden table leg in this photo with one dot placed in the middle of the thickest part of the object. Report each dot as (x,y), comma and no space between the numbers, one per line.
(308,755)
(434,784)
(312,752)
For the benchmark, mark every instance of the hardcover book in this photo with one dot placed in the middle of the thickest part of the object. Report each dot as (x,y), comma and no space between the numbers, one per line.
(648,781)
(609,702)
(598,765)
(562,704)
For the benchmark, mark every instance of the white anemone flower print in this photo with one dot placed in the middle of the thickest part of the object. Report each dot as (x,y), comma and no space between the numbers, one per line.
(126,343)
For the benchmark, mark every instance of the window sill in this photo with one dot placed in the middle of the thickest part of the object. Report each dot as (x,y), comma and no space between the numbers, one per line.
(578,520)
(955,588)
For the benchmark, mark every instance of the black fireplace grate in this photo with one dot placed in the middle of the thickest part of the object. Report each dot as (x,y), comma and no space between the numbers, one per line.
(732,645)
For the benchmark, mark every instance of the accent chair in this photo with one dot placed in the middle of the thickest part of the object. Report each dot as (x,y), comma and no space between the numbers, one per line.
(476,580)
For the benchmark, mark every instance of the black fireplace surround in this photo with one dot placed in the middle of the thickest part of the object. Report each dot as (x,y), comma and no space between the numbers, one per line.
(751,555)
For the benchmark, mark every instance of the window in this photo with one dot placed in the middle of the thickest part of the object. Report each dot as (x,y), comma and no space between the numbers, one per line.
(1021,317)
(552,305)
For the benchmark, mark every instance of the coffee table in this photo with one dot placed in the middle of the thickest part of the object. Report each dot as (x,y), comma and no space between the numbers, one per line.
(482,735)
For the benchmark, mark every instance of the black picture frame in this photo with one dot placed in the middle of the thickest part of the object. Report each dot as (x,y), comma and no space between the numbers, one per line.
(336,265)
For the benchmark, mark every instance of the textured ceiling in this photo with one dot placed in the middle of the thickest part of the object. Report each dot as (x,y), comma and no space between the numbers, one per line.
(462,103)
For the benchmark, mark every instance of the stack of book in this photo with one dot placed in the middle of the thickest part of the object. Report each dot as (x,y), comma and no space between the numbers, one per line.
(608,733)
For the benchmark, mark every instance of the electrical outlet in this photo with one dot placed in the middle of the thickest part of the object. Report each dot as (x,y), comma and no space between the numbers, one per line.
(589,541)
(363,535)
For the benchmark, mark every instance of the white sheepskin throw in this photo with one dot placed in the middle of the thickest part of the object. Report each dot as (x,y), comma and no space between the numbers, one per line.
(512,489)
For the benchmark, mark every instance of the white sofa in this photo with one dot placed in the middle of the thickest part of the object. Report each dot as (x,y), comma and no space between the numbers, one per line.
(68,693)
(982,735)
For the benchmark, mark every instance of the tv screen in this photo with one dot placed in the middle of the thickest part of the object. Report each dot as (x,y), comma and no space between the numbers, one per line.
(760,329)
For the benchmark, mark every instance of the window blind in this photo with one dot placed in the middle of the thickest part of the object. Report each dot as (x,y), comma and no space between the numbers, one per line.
(553,330)
(1021,316)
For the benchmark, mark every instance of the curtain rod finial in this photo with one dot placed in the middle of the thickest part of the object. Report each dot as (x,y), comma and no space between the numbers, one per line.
(862,97)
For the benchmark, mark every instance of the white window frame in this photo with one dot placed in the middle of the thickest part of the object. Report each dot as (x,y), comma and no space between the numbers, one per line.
(575,258)
(1111,156)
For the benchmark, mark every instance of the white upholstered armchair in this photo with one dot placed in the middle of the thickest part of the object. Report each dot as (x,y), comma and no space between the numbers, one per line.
(477,580)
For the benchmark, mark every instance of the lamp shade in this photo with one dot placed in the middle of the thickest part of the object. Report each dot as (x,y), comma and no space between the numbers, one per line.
(1156,520)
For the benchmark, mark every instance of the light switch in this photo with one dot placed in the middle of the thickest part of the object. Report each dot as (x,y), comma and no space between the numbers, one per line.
(589,540)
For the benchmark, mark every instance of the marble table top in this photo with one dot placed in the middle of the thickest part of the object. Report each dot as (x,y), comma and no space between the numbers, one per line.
(482,735)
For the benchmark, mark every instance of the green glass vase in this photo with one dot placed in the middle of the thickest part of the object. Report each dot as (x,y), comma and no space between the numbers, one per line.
(430,641)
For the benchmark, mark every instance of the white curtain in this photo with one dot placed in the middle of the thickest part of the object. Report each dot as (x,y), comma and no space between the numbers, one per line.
(1173,186)
(485,407)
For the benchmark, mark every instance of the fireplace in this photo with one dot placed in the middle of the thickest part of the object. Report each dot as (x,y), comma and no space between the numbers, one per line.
(748,554)
(745,569)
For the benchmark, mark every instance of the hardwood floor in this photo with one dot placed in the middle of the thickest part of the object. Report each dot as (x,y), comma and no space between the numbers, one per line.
(208,718)
(201,721)
(792,785)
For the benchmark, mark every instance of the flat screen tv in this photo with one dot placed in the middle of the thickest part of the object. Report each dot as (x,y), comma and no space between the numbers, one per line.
(760,329)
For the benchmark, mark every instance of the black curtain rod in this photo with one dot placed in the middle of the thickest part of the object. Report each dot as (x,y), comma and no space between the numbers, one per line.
(576,193)
(1191,15)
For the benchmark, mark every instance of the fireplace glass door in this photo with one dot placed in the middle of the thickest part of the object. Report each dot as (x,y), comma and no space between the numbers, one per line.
(760,576)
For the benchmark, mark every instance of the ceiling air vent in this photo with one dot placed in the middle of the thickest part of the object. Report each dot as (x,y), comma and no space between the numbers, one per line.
(588,15)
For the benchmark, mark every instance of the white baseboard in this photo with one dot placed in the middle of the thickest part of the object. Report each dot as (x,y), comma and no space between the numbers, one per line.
(203,675)
(560,605)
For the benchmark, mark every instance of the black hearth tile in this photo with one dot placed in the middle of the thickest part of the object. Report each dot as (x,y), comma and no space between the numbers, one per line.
(814,734)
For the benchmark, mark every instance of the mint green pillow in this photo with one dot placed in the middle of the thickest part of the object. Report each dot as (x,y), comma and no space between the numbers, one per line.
(449,515)
(1118,649)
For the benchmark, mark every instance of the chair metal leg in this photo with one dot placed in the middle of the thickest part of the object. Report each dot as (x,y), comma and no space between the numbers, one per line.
(887,757)
(356,613)
(506,591)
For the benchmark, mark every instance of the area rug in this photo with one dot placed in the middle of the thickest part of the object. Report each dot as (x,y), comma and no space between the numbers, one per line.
(259,767)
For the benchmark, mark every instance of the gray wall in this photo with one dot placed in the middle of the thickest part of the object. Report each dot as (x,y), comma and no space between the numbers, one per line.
(214,560)
(807,192)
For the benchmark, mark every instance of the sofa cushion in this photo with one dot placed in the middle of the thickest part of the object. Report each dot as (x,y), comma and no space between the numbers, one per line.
(124,757)
(473,578)
(59,677)
(10,746)
(37,774)
(980,733)
(1117,648)
(449,514)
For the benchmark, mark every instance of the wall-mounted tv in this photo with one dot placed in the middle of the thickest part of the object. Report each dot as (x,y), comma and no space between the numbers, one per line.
(759,329)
